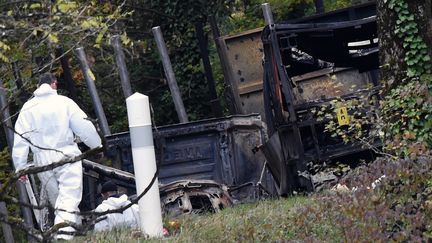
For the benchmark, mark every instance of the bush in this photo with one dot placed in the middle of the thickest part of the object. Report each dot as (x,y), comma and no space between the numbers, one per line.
(399,208)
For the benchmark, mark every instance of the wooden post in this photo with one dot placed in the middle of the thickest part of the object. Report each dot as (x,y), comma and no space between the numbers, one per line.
(90,79)
(22,194)
(121,65)
(203,45)
(169,73)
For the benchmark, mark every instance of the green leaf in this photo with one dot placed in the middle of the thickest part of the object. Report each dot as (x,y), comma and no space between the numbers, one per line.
(4,46)
(410,62)
(52,37)
(65,7)
(410,38)
(413,45)
(125,39)
(412,25)
(423,45)
(99,37)
(85,24)
(4,58)
(90,23)
(35,5)
(411,72)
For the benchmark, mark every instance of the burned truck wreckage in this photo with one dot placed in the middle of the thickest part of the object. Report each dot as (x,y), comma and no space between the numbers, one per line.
(277,76)
(307,64)
(295,56)
(206,164)
(288,70)
(297,49)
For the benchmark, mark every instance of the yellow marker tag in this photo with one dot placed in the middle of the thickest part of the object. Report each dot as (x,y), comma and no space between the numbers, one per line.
(342,115)
(91,75)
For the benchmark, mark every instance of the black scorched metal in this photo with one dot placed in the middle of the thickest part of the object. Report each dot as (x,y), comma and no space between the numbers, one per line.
(222,150)
(297,58)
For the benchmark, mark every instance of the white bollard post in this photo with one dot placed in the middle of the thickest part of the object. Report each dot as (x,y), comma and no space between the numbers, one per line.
(144,161)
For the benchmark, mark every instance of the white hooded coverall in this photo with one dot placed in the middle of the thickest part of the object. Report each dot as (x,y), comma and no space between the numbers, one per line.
(46,125)
(129,218)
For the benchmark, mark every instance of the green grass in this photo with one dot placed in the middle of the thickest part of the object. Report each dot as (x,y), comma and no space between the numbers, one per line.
(399,210)
(269,220)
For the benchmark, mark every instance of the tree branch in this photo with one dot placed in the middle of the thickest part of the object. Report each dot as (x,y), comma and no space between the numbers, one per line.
(37,169)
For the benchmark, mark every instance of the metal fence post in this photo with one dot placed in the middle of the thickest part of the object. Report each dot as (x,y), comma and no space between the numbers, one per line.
(268,16)
(90,79)
(121,65)
(203,45)
(172,82)
(235,106)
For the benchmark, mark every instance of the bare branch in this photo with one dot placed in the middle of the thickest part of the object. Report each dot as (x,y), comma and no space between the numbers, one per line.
(37,169)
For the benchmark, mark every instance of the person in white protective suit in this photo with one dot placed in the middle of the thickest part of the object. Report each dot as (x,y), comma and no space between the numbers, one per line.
(47,124)
(112,200)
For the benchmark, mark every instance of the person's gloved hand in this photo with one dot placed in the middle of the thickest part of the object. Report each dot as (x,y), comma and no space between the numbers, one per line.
(23,178)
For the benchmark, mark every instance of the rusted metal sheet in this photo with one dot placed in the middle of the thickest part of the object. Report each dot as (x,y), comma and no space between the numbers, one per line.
(245,53)
(244,56)
(329,83)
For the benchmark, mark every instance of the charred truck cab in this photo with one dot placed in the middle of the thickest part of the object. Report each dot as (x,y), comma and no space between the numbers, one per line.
(306,65)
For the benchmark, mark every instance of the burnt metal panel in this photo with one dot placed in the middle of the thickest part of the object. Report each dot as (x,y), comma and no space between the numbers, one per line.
(193,196)
(220,149)
(179,197)
(305,85)
(329,83)
(245,54)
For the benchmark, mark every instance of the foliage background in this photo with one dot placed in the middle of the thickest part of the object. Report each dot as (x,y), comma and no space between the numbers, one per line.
(32,30)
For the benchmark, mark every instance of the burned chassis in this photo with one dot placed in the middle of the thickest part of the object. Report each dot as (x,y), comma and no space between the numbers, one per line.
(179,197)
(290,120)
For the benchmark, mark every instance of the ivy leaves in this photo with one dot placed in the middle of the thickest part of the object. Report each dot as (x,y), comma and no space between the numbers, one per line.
(407,107)
(4,47)
(417,57)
